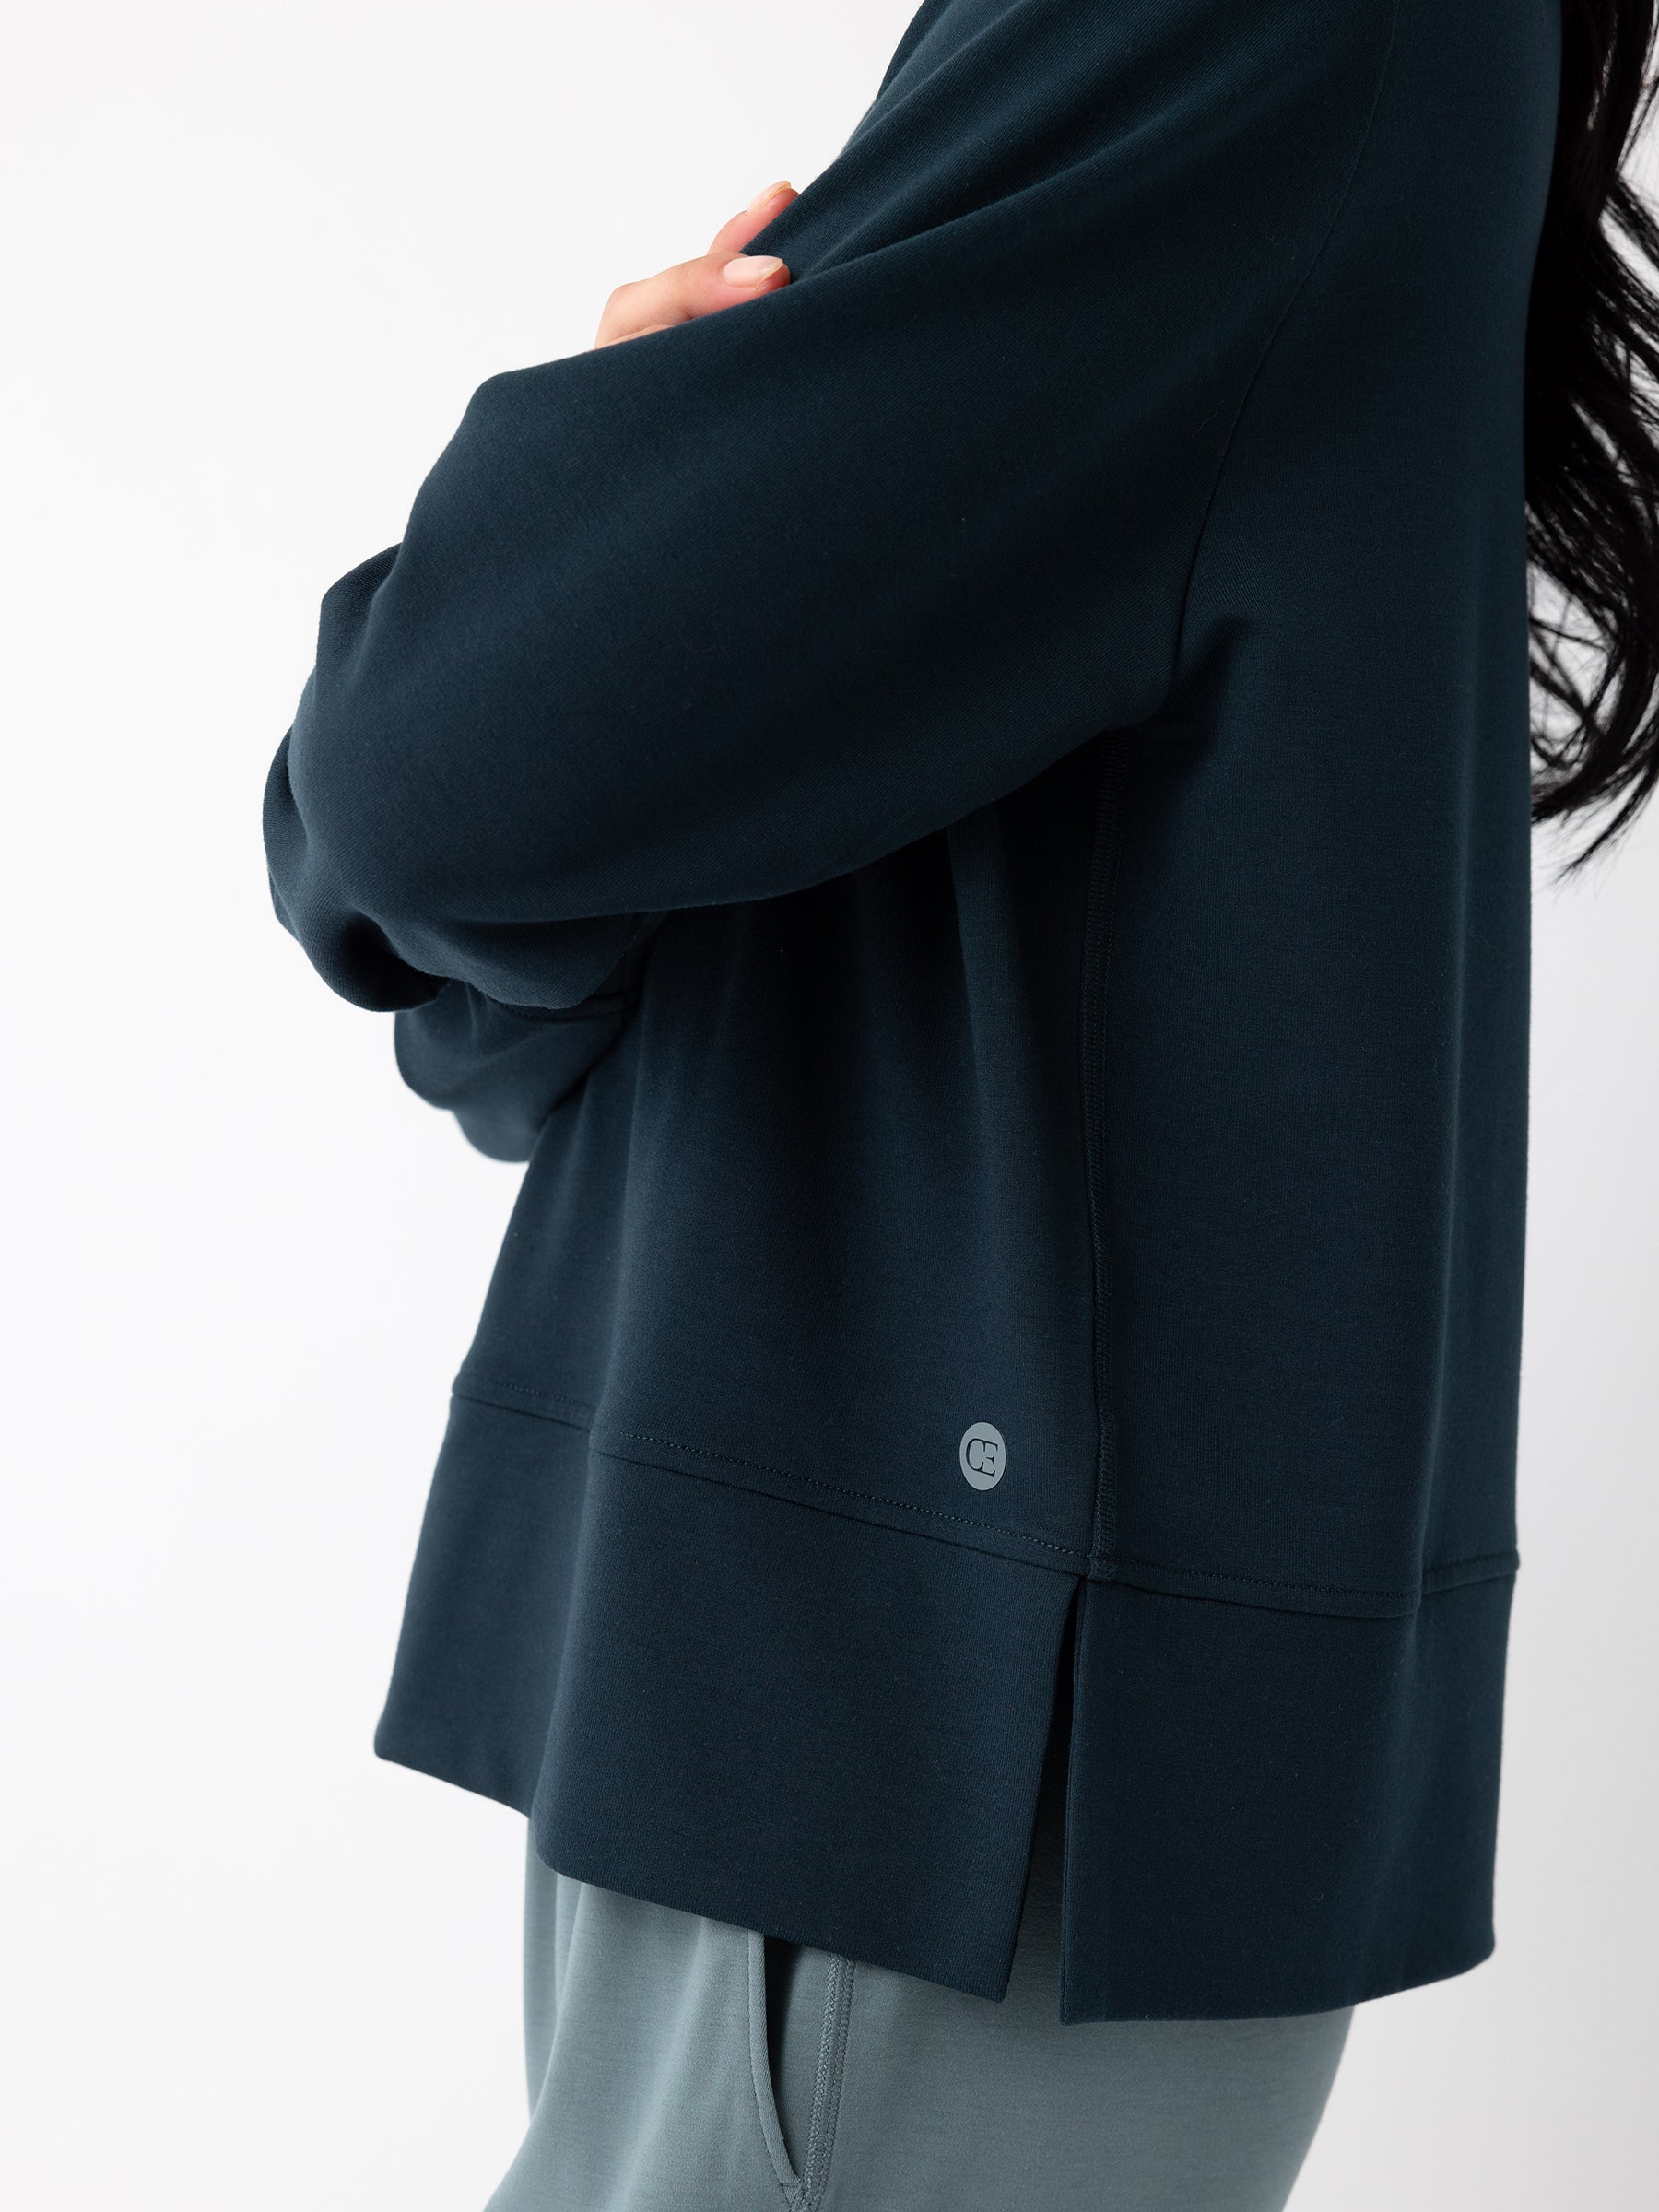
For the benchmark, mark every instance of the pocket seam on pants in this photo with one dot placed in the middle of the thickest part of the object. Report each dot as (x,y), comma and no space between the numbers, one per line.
(765,2104)
(827,2084)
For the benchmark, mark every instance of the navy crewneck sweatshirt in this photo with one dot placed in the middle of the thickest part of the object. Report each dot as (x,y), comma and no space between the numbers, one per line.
(968,818)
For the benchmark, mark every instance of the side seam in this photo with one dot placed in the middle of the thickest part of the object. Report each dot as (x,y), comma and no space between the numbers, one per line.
(1100,912)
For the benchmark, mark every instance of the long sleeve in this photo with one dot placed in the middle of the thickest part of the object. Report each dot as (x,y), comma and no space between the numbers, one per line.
(747,604)
(501,1069)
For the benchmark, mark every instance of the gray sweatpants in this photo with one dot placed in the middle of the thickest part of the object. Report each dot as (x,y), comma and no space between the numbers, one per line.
(679,2064)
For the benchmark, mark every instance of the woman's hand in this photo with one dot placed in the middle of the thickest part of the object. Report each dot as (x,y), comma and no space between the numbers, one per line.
(723,277)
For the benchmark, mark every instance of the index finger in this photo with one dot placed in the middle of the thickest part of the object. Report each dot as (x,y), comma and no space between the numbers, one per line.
(732,237)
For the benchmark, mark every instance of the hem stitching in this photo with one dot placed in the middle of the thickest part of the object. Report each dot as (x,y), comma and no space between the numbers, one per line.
(1478,1566)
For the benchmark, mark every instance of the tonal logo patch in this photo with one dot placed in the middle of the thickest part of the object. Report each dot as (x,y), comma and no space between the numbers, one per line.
(984,1456)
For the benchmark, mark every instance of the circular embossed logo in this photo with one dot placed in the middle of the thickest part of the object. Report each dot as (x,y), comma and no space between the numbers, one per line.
(984,1456)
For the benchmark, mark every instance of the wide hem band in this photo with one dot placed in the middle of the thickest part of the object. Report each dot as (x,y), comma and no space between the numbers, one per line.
(832,1731)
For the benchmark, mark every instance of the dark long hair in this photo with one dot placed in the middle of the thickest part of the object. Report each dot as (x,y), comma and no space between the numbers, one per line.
(1593,440)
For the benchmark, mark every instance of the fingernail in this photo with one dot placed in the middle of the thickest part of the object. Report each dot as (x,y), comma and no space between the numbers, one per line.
(751,268)
(770,191)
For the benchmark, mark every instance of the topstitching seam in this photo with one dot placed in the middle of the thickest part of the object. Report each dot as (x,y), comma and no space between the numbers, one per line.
(827,2080)
(1260,1582)
(761,1467)
(790,2188)
(461,1388)
(1495,1560)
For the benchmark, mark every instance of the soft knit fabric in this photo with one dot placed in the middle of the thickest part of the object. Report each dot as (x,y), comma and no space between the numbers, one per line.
(677,2064)
(969,819)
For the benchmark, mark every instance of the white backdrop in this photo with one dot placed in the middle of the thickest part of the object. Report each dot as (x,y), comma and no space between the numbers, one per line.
(256,255)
